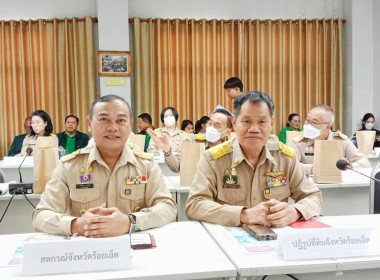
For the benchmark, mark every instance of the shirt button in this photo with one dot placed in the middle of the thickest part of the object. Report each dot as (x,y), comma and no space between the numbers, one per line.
(236,160)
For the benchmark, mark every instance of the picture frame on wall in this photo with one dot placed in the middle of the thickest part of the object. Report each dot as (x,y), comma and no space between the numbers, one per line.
(114,63)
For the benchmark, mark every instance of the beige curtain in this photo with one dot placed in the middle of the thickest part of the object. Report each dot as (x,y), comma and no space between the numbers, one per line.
(45,64)
(184,64)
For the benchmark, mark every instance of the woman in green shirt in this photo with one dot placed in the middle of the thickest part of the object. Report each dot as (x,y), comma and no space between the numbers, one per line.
(293,124)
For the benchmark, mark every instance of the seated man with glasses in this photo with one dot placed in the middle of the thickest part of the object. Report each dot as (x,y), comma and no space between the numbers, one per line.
(318,127)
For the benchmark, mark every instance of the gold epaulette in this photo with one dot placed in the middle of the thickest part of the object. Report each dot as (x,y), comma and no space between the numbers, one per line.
(200,137)
(220,150)
(289,151)
(299,138)
(71,156)
(182,131)
(138,153)
(27,135)
(52,134)
(158,129)
(341,135)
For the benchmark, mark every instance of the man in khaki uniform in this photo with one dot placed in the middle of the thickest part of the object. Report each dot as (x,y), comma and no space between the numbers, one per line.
(248,179)
(318,127)
(92,190)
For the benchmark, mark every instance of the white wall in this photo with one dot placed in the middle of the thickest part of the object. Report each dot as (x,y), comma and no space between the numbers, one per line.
(237,9)
(34,9)
(376,62)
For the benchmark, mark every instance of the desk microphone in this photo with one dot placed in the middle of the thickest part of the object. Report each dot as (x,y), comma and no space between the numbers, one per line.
(343,164)
(22,188)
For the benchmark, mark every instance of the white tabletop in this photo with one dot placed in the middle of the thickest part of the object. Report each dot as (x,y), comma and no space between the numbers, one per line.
(271,263)
(184,251)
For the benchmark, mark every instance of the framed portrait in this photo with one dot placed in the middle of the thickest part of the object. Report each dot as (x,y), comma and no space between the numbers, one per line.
(114,63)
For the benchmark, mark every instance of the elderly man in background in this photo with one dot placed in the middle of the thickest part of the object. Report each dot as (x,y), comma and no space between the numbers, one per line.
(318,127)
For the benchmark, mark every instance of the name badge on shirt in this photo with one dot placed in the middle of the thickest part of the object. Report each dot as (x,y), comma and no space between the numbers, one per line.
(84,186)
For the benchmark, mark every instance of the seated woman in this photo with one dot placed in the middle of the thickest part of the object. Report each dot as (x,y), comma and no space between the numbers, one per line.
(202,124)
(368,123)
(292,125)
(187,126)
(41,125)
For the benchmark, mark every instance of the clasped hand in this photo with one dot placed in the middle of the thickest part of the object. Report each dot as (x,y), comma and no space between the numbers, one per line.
(101,222)
(270,213)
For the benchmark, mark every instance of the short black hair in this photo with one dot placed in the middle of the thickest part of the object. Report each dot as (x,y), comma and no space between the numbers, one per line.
(253,97)
(365,118)
(198,124)
(290,117)
(185,123)
(174,111)
(233,82)
(72,116)
(227,113)
(107,98)
(145,117)
(45,116)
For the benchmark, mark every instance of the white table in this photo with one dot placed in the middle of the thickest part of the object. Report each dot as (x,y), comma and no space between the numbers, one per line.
(260,264)
(373,159)
(11,172)
(184,251)
(18,218)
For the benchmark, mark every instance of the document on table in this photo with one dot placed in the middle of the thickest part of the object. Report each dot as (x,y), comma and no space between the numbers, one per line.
(247,242)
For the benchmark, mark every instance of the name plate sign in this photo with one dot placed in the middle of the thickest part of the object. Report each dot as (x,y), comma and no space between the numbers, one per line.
(322,243)
(76,255)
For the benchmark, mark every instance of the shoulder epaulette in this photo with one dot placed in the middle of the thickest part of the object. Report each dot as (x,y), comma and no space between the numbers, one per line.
(289,151)
(138,153)
(341,135)
(158,129)
(298,138)
(200,137)
(182,131)
(220,150)
(71,156)
(52,134)
(27,135)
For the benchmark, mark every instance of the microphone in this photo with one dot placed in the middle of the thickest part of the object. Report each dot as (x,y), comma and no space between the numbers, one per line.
(343,164)
(61,151)
(21,188)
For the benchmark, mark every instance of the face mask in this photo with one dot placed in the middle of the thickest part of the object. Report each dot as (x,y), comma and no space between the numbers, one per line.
(368,126)
(169,121)
(310,131)
(212,134)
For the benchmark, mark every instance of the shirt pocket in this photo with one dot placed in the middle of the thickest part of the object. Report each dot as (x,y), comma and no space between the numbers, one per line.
(84,199)
(230,195)
(134,196)
(278,193)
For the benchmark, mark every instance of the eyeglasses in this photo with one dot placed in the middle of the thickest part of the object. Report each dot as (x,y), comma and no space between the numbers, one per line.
(314,123)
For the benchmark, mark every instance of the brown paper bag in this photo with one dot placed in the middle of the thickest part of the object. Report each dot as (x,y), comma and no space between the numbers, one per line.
(290,135)
(138,140)
(190,154)
(45,157)
(326,154)
(365,140)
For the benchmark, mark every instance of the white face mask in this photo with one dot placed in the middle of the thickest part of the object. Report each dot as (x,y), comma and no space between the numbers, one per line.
(169,121)
(212,134)
(310,131)
(369,126)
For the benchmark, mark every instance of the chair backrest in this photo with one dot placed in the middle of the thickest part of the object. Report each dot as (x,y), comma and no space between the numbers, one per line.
(375,191)
(2,176)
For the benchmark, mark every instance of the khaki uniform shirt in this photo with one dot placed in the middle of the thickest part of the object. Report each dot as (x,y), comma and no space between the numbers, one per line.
(304,151)
(225,183)
(31,141)
(175,142)
(82,181)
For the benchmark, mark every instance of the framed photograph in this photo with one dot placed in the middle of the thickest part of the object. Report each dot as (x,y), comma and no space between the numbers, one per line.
(114,63)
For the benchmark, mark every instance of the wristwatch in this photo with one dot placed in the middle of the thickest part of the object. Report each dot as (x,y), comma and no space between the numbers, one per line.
(132,228)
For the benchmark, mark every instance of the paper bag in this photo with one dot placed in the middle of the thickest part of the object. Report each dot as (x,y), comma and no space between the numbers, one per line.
(45,157)
(138,140)
(290,135)
(365,140)
(326,154)
(190,154)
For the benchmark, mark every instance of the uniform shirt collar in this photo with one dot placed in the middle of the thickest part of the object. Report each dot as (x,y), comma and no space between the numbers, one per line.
(125,157)
(238,155)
